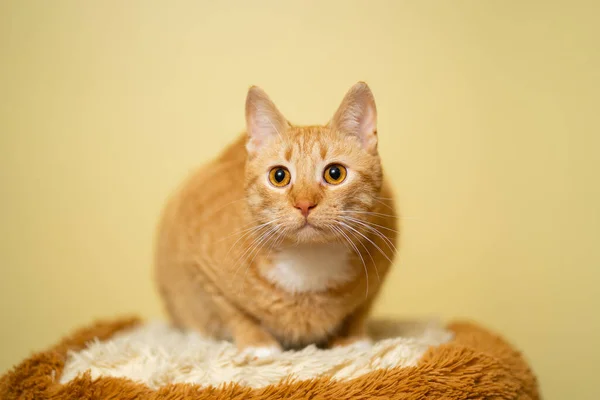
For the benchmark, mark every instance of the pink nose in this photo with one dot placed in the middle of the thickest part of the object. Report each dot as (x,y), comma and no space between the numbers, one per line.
(305,206)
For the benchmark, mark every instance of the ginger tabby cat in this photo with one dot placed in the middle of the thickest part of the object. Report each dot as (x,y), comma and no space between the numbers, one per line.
(283,240)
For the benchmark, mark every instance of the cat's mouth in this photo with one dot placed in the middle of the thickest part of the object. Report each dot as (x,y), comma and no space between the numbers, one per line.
(309,225)
(307,232)
(308,229)
(311,232)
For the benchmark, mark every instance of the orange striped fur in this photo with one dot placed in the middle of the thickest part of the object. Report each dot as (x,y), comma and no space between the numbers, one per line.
(281,267)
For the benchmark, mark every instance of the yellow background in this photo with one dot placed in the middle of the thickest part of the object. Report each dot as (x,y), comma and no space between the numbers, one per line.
(489,129)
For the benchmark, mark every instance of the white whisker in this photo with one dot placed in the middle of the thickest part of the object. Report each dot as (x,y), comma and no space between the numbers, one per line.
(377,214)
(220,208)
(357,251)
(370,256)
(369,226)
(251,231)
(383,203)
(372,223)
(369,240)
(259,247)
(265,230)
(243,230)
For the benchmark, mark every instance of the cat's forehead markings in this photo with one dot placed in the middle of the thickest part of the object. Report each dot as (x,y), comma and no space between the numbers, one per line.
(300,145)
(323,151)
(315,150)
(288,153)
(306,142)
(294,150)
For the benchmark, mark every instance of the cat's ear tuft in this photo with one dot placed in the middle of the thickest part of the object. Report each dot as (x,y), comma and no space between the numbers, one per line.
(263,120)
(357,116)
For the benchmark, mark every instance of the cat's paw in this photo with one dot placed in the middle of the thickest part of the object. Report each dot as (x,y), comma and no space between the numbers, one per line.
(261,351)
(360,342)
(257,353)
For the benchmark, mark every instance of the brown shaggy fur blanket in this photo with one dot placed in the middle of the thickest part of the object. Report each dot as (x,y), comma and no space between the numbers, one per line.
(476,364)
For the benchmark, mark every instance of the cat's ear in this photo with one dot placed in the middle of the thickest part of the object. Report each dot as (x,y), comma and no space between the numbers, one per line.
(357,116)
(263,119)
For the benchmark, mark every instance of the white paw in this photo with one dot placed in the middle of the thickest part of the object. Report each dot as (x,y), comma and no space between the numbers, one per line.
(261,352)
(362,344)
(257,353)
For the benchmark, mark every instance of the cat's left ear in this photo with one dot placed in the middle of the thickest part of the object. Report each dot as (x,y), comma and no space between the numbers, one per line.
(263,120)
(357,116)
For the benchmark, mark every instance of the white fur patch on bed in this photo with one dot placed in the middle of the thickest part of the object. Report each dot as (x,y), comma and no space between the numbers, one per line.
(157,354)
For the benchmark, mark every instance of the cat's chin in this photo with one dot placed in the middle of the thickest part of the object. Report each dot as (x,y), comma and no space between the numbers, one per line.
(312,234)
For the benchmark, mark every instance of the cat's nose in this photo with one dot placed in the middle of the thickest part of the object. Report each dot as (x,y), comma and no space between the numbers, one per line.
(305,206)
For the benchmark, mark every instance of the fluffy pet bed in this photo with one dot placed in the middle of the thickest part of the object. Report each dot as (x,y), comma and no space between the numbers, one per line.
(130,359)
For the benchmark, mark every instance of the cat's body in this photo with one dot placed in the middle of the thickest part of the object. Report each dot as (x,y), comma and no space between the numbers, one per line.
(240,256)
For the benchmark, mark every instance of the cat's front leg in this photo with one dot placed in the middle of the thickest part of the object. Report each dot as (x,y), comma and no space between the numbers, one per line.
(357,338)
(354,329)
(252,340)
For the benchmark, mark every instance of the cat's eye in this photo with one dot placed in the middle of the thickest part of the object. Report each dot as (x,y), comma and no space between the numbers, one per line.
(279,176)
(334,174)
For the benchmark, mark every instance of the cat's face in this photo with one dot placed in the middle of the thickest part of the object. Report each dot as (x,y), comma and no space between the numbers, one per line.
(317,183)
(312,181)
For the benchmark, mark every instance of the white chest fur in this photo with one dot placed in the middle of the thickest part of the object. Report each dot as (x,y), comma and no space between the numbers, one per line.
(310,268)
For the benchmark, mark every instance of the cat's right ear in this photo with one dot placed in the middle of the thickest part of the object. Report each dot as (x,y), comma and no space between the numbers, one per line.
(357,116)
(263,120)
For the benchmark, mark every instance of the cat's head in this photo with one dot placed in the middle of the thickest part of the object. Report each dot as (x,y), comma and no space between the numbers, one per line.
(305,182)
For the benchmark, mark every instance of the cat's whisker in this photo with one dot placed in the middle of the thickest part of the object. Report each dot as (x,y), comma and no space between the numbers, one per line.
(258,248)
(389,243)
(212,213)
(253,246)
(242,231)
(369,240)
(275,243)
(251,231)
(262,243)
(370,226)
(370,256)
(245,232)
(255,242)
(257,245)
(370,223)
(357,251)
(337,236)
(278,240)
(383,203)
(264,230)
(377,214)
(283,236)
(227,205)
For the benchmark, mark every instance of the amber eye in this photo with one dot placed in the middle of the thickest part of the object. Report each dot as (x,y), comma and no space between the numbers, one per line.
(279,176)
(334,174)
